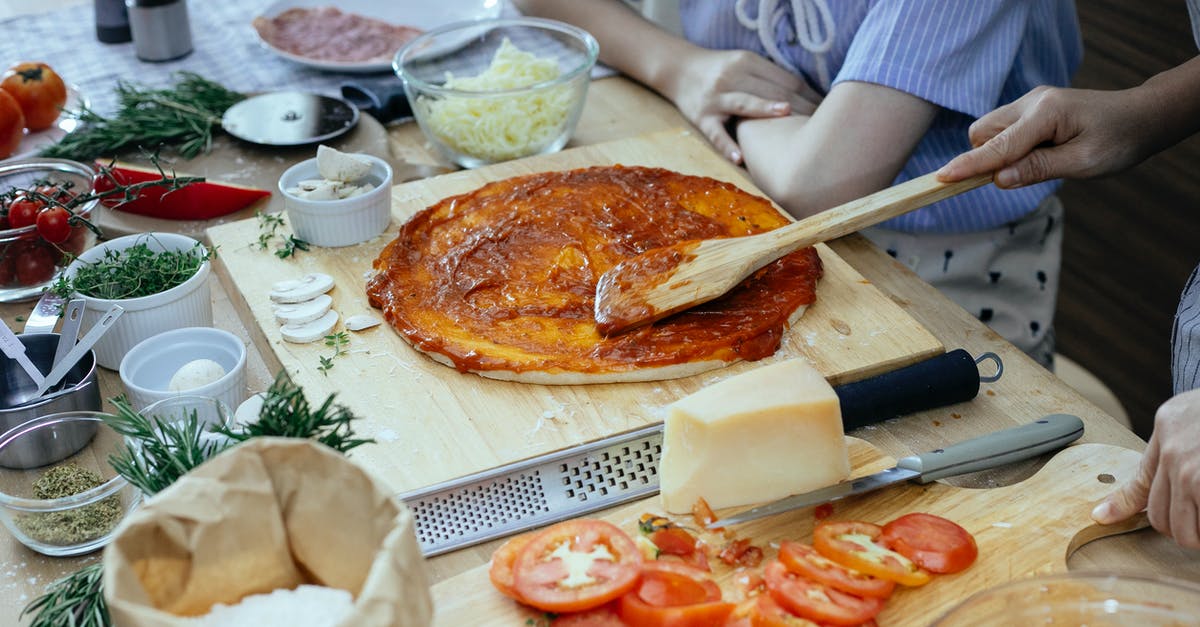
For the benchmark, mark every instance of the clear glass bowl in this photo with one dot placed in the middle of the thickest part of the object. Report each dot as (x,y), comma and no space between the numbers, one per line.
(28,263)
(475,125)
(70,525)
(1074,599)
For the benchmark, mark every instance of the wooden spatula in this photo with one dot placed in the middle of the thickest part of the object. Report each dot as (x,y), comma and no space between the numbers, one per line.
(663,281)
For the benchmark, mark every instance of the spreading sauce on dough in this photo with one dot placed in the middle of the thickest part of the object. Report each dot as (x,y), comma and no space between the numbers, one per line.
(504,277)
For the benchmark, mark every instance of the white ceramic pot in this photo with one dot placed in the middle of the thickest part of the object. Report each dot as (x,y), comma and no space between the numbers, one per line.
(186,305)
(148,368)
(345,222)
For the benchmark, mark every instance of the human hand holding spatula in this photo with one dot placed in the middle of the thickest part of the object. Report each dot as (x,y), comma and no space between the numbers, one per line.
(667,280)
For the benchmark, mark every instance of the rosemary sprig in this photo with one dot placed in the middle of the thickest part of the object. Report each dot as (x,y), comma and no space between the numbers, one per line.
(337,341)
(268,225)
(133,272)
(75,600)
(286,413)
(164,452)
(183,115)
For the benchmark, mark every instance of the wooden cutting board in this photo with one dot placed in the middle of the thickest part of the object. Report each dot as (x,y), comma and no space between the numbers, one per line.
(1023,529)
(433,423)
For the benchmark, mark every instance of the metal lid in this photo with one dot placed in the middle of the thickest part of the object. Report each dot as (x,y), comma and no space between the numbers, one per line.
(289,118)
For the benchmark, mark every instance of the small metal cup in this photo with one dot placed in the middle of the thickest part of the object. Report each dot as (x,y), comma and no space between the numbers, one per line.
(50,445)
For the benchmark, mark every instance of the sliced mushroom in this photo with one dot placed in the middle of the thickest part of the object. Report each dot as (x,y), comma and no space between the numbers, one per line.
(361,322)
(299,290)
(336,165)
(306,311)
(309,331)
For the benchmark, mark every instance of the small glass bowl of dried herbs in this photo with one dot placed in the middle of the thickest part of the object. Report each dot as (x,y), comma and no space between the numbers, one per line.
(73,505)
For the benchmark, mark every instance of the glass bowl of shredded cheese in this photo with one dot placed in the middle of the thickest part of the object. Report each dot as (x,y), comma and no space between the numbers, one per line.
(493,90)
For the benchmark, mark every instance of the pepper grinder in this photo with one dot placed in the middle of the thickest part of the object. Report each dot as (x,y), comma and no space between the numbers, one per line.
(160,28)
(112,22)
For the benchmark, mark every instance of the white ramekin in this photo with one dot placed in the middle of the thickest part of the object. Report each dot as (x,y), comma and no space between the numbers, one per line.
(186,305)
(345,222)
(148,367)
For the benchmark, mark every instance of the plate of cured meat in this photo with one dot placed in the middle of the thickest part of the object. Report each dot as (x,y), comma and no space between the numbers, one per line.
(359,36)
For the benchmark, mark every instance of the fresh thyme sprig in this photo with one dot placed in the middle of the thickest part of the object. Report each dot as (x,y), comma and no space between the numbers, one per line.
(183,115)
(133,272)
(337,341)
(73,600)
(268,226)
(165,450)
(286,413)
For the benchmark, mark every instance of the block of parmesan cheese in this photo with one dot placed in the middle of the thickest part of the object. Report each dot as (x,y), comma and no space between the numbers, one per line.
(758,436)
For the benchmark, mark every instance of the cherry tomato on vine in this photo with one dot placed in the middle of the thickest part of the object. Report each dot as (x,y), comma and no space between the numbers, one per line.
(23,212)
(53,224)
(34,264)
(934,543)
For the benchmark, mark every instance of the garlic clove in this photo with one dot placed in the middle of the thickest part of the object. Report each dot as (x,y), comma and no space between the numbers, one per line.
(361,322)
(305,311)
(299,290)
(309,331)
(336,165)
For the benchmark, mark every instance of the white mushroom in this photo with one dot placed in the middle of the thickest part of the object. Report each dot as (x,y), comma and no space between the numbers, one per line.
(336,165)
(194,374)
(299,290)
(361,322)
(309,331)
(305,311)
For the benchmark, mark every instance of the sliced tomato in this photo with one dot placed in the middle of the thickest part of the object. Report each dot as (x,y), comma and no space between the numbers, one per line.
(503,559)
(603,616)
(708,589)
(675,595)
(804,560)
(702,513)
(766,612)
(932,542)
(857,545)
(808,599)
(576,565)
(674,541)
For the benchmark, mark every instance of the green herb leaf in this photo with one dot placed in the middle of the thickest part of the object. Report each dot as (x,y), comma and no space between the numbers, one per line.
(76,599)
(133,272)
(286,413)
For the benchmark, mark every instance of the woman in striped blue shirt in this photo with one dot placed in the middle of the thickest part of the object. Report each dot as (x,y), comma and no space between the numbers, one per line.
(1071,133)
(830,101)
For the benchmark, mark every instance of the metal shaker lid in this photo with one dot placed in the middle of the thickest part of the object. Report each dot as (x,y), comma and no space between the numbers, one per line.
(289,118)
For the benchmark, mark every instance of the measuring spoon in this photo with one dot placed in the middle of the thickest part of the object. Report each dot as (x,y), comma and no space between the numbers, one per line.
(72,318)
(12,346)
(98,330)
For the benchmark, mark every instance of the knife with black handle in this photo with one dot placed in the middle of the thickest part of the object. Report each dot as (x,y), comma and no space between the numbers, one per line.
(989,451)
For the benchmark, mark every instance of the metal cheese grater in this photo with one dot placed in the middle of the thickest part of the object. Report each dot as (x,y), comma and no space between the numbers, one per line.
(617,469)
(538,491)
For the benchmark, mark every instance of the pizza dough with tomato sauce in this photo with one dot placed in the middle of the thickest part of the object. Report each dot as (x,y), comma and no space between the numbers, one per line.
(501,281)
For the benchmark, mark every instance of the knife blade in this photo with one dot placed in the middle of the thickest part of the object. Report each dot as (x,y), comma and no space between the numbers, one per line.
(989,451)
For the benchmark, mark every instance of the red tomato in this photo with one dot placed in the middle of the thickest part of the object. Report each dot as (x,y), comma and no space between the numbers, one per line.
(23,212)
(34,264)
(809,599)
(544,579)
(934,543)
(52,224)
(12,125)
(804,560)
(857,545)
(766,612)
(501,570)
(655,568)
(603,616)
(674,541)
(39,90)
(741,553)
(675,595)
(7,274)
(702,513)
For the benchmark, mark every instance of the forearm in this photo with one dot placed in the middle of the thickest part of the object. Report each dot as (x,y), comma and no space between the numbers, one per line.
(652,59)
(854,144)
(1168,107)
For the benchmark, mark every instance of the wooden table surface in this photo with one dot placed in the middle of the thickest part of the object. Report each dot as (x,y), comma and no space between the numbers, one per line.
(618,108)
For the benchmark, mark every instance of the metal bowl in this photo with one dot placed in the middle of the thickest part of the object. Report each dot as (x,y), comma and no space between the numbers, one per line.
(81,393)
(28,263)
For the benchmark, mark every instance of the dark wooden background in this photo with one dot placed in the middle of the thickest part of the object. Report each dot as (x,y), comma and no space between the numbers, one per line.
(1131,239)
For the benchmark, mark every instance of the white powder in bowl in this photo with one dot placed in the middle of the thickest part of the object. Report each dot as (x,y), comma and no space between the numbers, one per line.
(194,374)
(306,606)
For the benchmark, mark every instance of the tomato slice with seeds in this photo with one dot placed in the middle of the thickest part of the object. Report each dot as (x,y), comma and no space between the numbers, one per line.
(503,559)
(674,541)
(932,542)
(857,545)
(804,560)
(672,594)
(576,565)
(817,602)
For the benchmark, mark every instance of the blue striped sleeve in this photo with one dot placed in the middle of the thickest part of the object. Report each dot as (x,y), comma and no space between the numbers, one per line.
(954,54)
(1185,337)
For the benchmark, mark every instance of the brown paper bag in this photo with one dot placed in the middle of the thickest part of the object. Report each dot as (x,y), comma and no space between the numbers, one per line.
(270,513)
